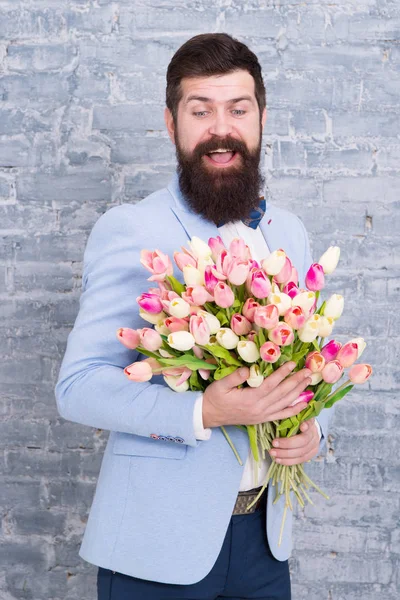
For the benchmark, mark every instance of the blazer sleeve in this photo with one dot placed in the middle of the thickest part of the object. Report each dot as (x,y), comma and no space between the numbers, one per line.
(92,388)
(325,417)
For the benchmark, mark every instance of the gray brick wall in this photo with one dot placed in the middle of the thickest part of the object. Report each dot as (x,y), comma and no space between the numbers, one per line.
(81,126)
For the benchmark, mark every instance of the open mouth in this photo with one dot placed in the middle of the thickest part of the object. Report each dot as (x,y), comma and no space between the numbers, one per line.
(221,158)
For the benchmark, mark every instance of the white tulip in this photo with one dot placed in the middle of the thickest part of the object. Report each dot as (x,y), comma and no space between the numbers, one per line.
(199,248)
(325,326)
(211,320)
(164,353)
(152,318)
(334,306)
(192,276)
(181,340)
(305,300)
(202,263)
(172,381)
(161,328)
(248,351)
(329,260)
(274,262)
(310,331)
(227,338)
(315,378)
(255,379)
(178,307)
(282,301)
(361,345)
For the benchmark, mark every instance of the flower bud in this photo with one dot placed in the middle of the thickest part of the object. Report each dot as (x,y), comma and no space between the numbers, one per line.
(325,326)
(334,306)
(330,350)
(267,316)
(332,371)
(199,330)
(348,354)
(306,301)
(310,331)
(295,317)
(360,373)
(282,334)
(361,345)
(248,351)
(179,308)
(150,340)
(255,379)
(270,352)
(315,362)
(305,396)
(152,318)
(227,338)
(212,321)
(150,303)
(181,340)
(223,295)
(172,382)
(192,276)
(274,262)
(330,259)
(282,301)
(216,245)
(258,284)
(130,338)
(315,279)
(199,248)
(249,309)
(240,325)
(139,371)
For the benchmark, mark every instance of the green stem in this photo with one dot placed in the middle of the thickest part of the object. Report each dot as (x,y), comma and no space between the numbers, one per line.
(228,439)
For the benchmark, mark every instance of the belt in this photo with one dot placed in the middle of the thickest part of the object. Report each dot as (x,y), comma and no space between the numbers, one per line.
(244,498)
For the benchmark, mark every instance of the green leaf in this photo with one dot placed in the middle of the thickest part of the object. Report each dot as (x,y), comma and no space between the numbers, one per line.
(222,318)
(301,353)
(261,337)
(220,352)
(337,396)
(191,362)
(252,432)
(315,344)
(222,372)
(176,285)
(194,382)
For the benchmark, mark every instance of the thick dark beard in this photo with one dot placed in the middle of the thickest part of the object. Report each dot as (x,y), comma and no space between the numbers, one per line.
(220,195)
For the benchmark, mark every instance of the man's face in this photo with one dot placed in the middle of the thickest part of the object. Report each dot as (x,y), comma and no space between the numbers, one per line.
(218,143)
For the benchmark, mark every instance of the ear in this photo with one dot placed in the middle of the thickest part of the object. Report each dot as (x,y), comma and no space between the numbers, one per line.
(264,117)
(169,121)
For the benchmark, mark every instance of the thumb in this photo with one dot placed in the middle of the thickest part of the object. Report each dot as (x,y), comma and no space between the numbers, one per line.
(236,378)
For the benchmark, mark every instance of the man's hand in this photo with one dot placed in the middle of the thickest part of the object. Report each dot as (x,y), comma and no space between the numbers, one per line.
(299,448)
(225,404)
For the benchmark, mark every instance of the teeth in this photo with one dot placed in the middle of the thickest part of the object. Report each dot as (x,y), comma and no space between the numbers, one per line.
(221,150)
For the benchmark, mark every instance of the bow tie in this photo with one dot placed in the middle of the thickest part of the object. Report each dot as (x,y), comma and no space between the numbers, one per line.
(254,217)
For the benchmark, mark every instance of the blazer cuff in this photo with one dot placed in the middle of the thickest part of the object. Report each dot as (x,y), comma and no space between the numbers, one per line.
(199,431)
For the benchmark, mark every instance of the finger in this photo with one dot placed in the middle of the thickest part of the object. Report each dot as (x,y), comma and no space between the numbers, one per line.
(276,377)
(301,440)
(283,397)
(288,412)
(234,379)
(301,458)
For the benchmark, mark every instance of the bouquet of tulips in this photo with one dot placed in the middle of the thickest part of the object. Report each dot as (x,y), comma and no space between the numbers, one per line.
(232,311)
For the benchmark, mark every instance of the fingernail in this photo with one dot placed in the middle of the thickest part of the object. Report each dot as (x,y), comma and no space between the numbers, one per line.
(278,460)
(273,452)
(276,443)
(306,372)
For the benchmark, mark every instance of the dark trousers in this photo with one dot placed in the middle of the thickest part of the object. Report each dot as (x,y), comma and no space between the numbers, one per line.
(245,568)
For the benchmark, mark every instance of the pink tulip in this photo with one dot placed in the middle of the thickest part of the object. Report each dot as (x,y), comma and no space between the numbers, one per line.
(182,259)
(315,278)
(216,245)
(223,261)
(332,371)
(238,271)
(270,352)
(139,371)
(360,373)
(291,289)
(258,284)
(240,325)
(150,340)
(198,352)
(282,335)
(252,334)
(197,295)
(315,362)
(158,263)
(237,248)
(348,354)
(210,279)
(285,273)
(267,316)
(223,295)
(175,324)
(330,350)
(305,396)
(295,317)
(150,303)
(130,338)
(200,330)
(182,372)
(249,309)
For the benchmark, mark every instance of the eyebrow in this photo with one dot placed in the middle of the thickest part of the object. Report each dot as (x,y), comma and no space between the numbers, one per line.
(205,99)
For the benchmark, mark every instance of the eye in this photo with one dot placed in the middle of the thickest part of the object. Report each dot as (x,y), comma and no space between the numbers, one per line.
(202,112)
(238,110)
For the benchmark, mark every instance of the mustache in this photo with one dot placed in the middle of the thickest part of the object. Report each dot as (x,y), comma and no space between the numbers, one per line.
(211,145)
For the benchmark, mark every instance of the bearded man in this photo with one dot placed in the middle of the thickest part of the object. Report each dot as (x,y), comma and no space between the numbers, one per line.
(169,516)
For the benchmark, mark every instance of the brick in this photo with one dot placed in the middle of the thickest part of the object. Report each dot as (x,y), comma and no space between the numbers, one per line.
(40,57)
(35,91)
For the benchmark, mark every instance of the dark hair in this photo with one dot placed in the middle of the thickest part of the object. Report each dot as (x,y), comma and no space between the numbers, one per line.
(210,54)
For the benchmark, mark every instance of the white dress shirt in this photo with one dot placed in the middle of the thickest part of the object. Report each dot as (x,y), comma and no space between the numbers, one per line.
(253,474)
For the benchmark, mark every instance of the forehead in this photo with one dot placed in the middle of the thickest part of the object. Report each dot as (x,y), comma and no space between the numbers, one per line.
(219,88)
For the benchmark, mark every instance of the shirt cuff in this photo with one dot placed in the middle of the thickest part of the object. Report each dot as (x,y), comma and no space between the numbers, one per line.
(319,429)
(199,431)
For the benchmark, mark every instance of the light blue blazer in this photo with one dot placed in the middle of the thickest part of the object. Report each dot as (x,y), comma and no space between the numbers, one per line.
(161,507)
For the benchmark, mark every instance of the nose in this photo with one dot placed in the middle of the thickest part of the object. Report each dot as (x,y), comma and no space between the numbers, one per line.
(220,125)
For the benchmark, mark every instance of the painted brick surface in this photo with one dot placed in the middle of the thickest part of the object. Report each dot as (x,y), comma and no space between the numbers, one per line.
(82,86)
